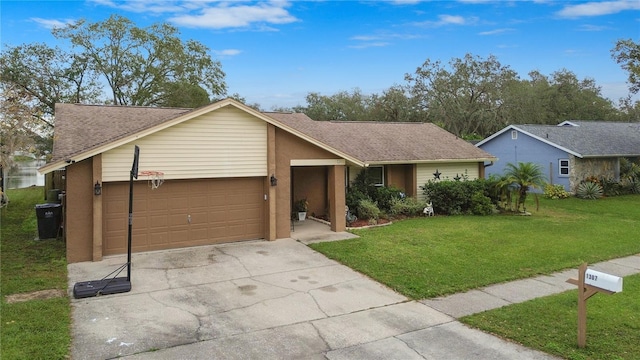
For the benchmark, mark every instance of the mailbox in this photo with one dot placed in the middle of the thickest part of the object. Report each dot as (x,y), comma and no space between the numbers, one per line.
(603,281)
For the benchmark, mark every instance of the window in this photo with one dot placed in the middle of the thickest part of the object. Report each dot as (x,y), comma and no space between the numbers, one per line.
(563,167)
(514,134)
(376,174)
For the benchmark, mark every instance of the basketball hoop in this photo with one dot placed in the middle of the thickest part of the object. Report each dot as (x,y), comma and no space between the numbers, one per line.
(154,178)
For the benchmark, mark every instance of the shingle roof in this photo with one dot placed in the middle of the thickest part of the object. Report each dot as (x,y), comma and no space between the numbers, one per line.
(380,142)
(81,129)
(591,138)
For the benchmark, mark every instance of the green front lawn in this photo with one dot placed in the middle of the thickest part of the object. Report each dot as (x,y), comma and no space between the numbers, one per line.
(429,257)
(550,324)
(35,329)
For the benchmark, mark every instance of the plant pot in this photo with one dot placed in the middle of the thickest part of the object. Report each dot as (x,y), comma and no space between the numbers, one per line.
(302,216)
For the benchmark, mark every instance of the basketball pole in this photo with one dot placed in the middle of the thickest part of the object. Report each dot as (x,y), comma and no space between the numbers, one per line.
(132,175)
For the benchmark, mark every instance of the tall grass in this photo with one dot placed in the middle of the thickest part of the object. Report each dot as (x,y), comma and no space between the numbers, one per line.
(35,329)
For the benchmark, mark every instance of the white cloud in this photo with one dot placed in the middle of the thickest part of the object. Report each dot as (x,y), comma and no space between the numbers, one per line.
(369,45)
(211,14)
(52,23)
(146,6)
(598,8)
(444,20)
(588,27)
(231,15)
(451,19)
(405,2)
(227,52)
(496,31)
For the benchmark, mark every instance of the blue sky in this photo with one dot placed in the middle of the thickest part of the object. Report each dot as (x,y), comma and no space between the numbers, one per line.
(275,52)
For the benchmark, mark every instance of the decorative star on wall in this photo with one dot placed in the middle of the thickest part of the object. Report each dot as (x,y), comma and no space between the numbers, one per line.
(457,178)
(436,175)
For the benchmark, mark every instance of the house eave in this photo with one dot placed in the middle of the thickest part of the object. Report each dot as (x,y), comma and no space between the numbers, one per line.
(430,161)
(608,156)
(99,149)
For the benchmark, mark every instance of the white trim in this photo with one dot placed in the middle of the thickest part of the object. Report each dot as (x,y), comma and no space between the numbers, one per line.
(436,161)
(560,167)
(317,162)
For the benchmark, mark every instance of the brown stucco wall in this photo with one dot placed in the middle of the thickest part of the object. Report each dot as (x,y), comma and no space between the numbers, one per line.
(291,147)
(79,211)
(401,176)
(310,182)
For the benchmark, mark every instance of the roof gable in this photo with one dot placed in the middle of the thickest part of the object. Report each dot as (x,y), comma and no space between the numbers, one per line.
(584,138)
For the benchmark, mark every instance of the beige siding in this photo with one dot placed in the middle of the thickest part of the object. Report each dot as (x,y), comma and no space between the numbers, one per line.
(447,171)
(224,143)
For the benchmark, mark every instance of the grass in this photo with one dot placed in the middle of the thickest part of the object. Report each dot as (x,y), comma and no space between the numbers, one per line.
(549,324)
(430,257)
(35,329)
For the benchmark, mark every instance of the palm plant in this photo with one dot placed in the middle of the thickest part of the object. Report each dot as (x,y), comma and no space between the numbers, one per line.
(526,176)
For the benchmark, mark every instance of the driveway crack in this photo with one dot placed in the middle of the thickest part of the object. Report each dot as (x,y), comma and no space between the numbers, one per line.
(237,259)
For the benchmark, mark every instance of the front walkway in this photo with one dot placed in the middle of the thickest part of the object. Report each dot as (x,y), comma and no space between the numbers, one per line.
(310,231)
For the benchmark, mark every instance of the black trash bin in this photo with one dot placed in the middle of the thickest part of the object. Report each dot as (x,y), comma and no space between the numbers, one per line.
(49,218)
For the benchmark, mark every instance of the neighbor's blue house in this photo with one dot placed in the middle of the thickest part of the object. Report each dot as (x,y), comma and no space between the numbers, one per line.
(569,152)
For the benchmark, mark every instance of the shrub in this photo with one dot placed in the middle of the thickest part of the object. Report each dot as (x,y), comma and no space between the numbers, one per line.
(384,195)
(353,198)
(407,206)
(555,192)
(481,204)
(632,186)
(368,209)
(611,187)
(589,190)
(454,197)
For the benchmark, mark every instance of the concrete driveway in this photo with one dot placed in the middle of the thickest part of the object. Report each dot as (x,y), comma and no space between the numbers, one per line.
(263,300)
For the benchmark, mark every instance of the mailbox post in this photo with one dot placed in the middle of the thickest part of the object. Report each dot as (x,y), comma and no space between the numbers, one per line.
(591,282)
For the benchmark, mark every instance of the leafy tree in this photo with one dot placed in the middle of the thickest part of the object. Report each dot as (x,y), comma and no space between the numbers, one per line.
(343,106)
(526,176)
(184,94)
(394,105)
(577,99)
(45,76)
(467,96)
(627,54)
(144,66)
(20,128)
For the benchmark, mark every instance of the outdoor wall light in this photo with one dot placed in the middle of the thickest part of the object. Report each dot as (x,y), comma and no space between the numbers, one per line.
(97,188)
(273,180)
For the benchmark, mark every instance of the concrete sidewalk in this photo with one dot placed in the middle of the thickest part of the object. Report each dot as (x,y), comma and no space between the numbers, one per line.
(499,295)
(282,300)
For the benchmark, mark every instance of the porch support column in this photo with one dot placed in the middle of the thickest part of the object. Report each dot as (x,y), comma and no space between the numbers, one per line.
(97,209)
(272,190)
(412,181)
(337,201)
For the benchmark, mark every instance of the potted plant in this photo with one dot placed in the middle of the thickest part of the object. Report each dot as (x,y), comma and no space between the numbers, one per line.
(301,207)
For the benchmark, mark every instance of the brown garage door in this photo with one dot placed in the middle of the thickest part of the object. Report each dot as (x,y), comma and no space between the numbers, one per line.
(183,213)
